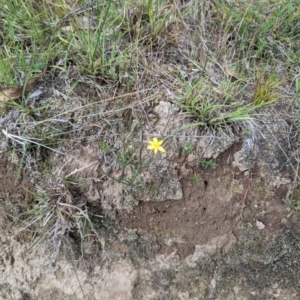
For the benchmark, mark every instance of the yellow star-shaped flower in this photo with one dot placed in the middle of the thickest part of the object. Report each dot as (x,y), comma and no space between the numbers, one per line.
(155,145)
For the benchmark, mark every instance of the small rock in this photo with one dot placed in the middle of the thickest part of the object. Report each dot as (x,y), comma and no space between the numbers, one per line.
(260,225)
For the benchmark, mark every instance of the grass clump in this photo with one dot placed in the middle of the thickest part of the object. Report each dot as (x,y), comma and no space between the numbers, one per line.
(221,108)
(60,220)
(268,29)
(266,89)
(150,22)
(27,44)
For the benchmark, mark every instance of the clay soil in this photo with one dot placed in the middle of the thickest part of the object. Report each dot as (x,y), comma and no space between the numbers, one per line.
(216,204)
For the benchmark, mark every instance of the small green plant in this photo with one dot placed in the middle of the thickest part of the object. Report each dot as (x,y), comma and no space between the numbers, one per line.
(130,159)
(126,159)
(294,205)
(196,178)
(188,148)
(104,146)
(208,163)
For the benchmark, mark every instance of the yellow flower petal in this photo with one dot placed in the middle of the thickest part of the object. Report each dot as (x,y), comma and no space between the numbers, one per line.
(155,145)
(161,149)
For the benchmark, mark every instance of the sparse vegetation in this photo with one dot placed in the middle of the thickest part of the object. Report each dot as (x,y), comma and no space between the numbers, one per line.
(292,204)
(188,148)
(103,65)
(208,163)
(60,220)
(196,178)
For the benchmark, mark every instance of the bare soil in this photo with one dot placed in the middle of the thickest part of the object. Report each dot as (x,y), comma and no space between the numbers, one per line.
(216,207)
(212,210)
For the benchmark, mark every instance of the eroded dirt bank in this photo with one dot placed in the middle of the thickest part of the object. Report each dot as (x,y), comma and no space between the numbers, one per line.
(88,211)
(210,232)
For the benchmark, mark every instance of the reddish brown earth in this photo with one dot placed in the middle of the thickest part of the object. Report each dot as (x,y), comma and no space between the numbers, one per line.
(212,210)
(216,203)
